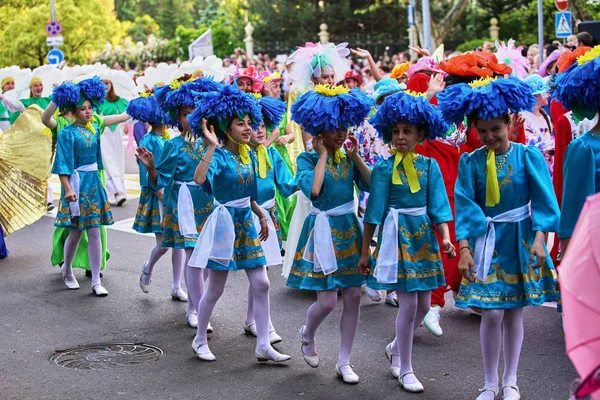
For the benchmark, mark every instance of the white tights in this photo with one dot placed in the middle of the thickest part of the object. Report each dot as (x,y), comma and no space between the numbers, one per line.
(259,286)
(94,252)
(176,259)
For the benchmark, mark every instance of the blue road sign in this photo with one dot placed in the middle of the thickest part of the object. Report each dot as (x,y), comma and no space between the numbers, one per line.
(55,56)
(53,28)
(564,25)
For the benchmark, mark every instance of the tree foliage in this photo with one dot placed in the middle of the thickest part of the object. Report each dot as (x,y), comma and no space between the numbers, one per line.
(87,26)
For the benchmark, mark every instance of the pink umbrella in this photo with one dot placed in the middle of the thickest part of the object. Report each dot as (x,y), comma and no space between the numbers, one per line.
(580,291)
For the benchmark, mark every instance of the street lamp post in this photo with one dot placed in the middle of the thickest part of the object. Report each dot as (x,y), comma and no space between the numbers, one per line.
(427,25)
(541,29)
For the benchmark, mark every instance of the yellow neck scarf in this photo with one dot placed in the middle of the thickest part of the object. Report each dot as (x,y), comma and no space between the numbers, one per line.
(406,159)
(492,190)
(244,150)
(338,156)
(165,133)
(264,164)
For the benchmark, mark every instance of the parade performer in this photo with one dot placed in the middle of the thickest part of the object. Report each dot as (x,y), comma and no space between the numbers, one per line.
(83,204)
(186,205)
(407,192)
(229,240)
(578,90)
(113,150)
(505,205)
(57,123)
(272,174)
(7,83)
(326,257)
(149,214)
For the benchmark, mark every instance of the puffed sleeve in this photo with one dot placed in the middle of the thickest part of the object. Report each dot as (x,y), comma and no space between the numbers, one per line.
(166,167)
(305,173)
(470,218)
(155,145)
(380,192)
(438,205)
(545,213)
(64,162)
(284,181)
(98,119)
(359,180)
(216,166)
(579,183)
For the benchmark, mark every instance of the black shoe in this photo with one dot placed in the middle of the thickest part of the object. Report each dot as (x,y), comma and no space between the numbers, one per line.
(88,273)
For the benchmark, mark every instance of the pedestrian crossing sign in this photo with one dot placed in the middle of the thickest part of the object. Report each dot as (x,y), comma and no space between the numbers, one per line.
(564,27)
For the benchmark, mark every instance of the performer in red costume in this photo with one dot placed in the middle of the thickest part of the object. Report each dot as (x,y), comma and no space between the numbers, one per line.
(447,151)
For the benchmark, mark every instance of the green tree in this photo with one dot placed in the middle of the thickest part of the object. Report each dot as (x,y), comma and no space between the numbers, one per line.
(86,27)
(126,10)
(142,27)
(174,13)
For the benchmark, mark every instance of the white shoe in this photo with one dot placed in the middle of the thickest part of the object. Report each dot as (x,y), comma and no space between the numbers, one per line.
(250,328)
(143,286)
(99,290)
(395,371)
(513,394)
(271,355)
(70,280)
(415,387)
(274,338)
(392,299)
(202,351)
(348,377)
(179,295)
(373,294)
(487,394)
(192,320)
(312,361)
(432,321)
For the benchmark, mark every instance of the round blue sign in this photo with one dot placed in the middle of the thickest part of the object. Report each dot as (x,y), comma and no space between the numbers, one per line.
(55,56)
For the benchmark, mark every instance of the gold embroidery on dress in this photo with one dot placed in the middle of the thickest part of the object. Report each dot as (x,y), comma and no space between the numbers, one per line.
(191,152)
(87,136)
(423,229)
(403,177)
(338,170)
(341,235)
(507,179)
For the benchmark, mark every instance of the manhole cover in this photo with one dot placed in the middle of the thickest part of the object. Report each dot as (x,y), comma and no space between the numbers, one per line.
(107,355)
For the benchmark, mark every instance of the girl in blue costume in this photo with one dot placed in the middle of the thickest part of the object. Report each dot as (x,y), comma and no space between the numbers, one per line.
(505,205)
(83,204)
(579,90)
(407,198)
(229,240)
(186,205)
(56,124)
(148,217)
(273,173)
(327,253)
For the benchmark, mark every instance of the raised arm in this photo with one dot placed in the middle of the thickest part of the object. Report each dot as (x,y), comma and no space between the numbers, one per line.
(48,116)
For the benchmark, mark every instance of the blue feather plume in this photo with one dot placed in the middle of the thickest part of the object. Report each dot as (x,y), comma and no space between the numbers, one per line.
(415,110)
(578,88)
(66,95)
(272,111)
(145,109)
(93,89)
(317,112)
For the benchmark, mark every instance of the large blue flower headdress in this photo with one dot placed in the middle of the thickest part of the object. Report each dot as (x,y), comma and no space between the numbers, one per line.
(68,95)
(410,107)
(145,109)
(486,98)
(182,92)
(578,88)
(329,108)
(219,107)
(272,110)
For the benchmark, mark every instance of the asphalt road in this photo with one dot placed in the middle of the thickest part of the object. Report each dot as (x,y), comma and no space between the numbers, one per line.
(39,317)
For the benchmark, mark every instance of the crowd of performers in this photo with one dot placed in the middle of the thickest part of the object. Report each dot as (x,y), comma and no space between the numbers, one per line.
(453,172)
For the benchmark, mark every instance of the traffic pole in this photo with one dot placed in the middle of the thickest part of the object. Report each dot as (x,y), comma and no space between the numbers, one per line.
(541,29)
(427,25)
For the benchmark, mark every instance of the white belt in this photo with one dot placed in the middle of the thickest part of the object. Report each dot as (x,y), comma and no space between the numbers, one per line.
(185,210)
(75,181)
(320,241)
(271,245)
(218,235)
(386,269)
(484,245)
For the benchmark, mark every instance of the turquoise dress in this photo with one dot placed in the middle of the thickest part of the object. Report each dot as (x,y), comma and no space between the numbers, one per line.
(229,179)
(78,146)
(523,179)
(147,217)
(338,189)
(278,177)
(581,179)
(419,263)
(177,163)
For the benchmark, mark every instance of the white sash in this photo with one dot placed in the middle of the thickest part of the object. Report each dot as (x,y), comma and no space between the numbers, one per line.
(386,269)
(185,210)
(484,245)
(320,241)
(75,182)
(218,235)
(271,245)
